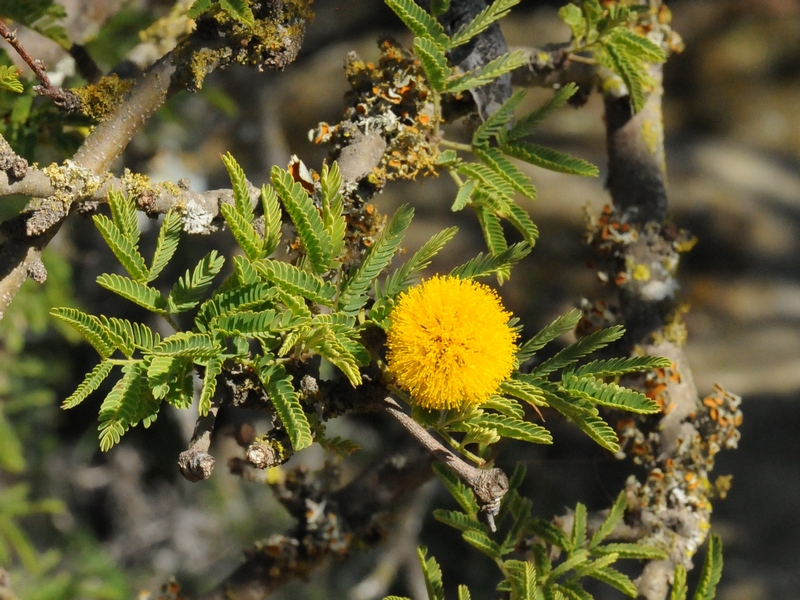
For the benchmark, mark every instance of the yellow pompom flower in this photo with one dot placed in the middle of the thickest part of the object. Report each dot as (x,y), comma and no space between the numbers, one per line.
(449,343)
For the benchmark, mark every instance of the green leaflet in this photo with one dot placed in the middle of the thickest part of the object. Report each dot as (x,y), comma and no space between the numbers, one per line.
(576,558)
(292,279)
(464,195)
(143,337)
(198,7)
(712,570)
(167,378)
(88,326)
(629,71)
(432,573)
(491,71)
(239,10)
(439,7)
(238,299)
(610,523)
(512,427)
(492,233)
(571,590)
(615,579)
(120,331)
(483,542)
(491,181)
(332,207)
(138,293)
(585,345)
(463,593)
(679,589)
(578,537)
(433,61)
(212,368)
(571,15)
(637,551)
(244,271)
(483,266)
(9,79)
(241,194)
(123,213)
(420,22)
(551,534)
(613,367)
(558,327)
(609,394)
(495,11)
(168,237)
(550,159)
(243,232)
(272,219)
(524,126)
(523,223)
(353,294)
(522,576)
(123,248)
(89,384)
(287,405)
(638,45)
(506,406)
(458,520)
(587,420)
(306,218)
(495,160)
(402,277)
(249,323)
(462,494)
(327,342)
(190,288)
(497,123)
(120,409)
(200,346)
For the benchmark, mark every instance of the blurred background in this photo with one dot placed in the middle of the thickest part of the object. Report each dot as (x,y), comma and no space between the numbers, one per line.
(732,123)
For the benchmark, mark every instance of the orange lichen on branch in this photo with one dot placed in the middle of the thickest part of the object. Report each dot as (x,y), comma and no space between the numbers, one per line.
(450,345)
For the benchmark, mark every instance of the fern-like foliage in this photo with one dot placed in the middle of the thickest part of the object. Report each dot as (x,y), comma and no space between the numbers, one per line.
(608,33)
(540,576)
(9,79)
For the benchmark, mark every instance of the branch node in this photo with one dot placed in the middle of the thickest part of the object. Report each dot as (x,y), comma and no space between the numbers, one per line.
(196,465)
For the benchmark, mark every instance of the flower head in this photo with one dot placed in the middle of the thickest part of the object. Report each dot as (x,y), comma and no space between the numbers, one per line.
(449,343)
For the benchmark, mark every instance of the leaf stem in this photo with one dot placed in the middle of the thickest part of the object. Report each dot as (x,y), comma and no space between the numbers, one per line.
(489,485)
(455,145)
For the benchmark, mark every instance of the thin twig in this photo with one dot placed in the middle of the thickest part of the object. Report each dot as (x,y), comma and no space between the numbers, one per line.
(62,98)
(489,485)
(195,463)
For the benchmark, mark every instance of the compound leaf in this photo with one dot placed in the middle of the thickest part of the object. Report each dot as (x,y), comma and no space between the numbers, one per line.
(287,404)
(88,326)
(168,237)
(496,10)
(296,281)
(89,384)
(550,159)
(431,56)
(609,394)
(585,345)
(420,22)
(186,293)
(306,218)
